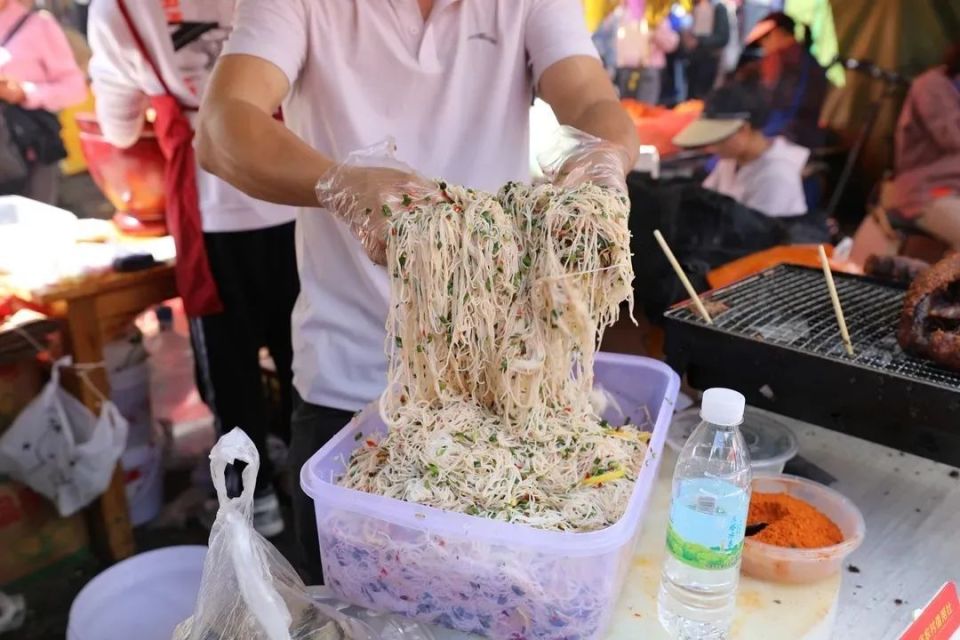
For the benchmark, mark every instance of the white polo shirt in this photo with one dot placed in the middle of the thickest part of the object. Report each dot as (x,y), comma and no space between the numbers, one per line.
(454,92)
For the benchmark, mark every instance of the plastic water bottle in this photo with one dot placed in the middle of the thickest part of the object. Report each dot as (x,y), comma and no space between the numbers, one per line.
(708,516)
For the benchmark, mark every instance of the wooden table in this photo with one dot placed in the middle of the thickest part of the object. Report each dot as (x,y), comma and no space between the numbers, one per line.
(96,309)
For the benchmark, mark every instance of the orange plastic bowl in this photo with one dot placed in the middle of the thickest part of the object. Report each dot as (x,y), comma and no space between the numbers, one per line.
(801,566)
(131,179)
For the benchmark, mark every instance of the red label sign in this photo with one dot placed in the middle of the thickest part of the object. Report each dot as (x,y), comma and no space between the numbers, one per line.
(940,619)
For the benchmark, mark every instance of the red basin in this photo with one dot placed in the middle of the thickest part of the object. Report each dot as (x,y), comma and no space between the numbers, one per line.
(131,179)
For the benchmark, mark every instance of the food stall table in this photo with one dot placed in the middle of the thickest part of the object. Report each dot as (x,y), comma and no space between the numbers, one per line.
(95,309)
(911,506)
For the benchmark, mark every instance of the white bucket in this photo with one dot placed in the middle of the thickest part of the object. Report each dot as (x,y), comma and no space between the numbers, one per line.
(130,391)
(144,597)
(143,475)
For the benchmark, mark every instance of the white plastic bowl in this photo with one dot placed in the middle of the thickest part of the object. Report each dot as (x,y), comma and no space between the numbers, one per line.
(800,566)
(144,597)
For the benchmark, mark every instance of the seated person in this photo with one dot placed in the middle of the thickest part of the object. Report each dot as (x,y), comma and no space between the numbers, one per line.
(795,81)
(760,172)
(927,184)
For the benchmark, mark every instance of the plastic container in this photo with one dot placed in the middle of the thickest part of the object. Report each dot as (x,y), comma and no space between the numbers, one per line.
(771,443)
(474,574)
(143,478)
(130,391)
(144,597)
(800,566)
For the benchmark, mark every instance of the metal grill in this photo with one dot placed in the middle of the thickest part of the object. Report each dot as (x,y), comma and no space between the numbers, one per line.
(789,306)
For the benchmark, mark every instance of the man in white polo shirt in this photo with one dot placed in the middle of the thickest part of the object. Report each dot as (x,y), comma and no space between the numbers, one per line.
(452,82)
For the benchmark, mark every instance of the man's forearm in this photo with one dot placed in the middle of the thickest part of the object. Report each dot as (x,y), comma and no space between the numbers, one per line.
(256,153)
(606,119)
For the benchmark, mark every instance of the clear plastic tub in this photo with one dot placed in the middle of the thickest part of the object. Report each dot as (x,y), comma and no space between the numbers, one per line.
(771,443)
(800,566)
(477,575)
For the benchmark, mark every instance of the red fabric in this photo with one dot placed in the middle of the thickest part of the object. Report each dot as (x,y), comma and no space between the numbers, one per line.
(195,281)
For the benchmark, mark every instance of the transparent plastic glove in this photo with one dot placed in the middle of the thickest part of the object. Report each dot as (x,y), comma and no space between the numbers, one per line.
(576,157)
(367,188)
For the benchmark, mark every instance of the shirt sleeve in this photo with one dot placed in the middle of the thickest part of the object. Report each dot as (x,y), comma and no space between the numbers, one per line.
(120,100)
(555,30)
(665,37)
(274,30)
(64,84)
(936,103)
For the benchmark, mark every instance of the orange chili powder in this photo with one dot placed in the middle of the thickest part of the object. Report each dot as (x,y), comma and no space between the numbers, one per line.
(791,522)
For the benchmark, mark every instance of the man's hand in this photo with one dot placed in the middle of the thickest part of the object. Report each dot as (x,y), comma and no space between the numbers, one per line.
(366,197)
(581,95)
(11,91)
(579,157)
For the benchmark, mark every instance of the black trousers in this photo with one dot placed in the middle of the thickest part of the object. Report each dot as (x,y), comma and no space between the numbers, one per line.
(311,427)
(702,73)
(256,275)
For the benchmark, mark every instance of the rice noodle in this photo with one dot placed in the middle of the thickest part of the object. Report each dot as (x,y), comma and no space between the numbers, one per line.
(497,305)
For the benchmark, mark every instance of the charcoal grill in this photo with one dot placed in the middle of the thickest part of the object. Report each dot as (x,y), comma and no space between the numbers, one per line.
(775,338)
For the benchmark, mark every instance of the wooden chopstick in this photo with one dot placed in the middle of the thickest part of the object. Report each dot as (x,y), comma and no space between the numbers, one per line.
(683,277)
(837,309)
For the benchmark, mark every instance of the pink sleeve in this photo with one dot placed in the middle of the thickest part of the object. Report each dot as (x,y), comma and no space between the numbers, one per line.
(936,102)
(665,37)
(64,84)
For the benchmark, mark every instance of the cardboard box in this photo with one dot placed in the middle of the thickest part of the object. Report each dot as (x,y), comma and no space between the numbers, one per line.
(32,534)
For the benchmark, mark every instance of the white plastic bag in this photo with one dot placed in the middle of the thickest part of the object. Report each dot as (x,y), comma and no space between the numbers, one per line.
(249,590)
(58,448)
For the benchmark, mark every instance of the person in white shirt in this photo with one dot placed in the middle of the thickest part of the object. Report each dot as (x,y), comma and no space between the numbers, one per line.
(451,81)
(142,49)
(765,174)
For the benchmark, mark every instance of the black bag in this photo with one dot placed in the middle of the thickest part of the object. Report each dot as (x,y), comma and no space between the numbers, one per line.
(13,168)
(37,134)
(27,136)
(705,230)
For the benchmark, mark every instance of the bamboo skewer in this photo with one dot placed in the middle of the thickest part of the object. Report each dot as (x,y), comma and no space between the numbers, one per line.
(683,277)
(837,309)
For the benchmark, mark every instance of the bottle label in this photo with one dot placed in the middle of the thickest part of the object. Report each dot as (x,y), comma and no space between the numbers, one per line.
(707,523)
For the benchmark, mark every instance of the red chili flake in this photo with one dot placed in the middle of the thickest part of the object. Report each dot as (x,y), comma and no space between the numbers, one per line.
(393,232)
(457,208)
(371,443)
(383,572)
(568,409)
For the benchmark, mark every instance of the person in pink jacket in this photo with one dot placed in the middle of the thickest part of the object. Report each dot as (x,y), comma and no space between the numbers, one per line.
(37,71)
(927,182)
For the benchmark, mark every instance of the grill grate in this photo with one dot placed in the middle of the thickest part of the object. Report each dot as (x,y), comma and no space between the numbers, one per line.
(789,306)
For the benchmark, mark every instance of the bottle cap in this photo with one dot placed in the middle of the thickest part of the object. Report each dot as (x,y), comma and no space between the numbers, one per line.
(723,407)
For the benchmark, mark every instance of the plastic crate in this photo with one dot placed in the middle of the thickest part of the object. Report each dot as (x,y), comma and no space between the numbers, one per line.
(475,574)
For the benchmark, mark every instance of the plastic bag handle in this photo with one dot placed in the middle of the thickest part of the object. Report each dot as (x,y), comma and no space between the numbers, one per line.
(234,446)
(51,392)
